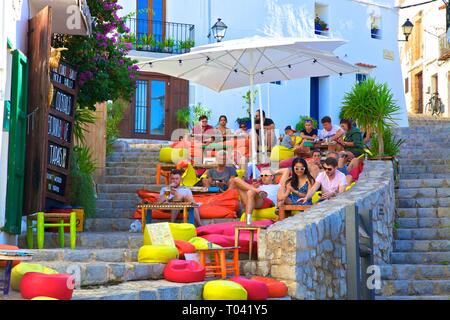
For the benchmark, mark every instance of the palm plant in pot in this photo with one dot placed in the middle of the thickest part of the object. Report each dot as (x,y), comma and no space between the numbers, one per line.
(372,106)
(246,98)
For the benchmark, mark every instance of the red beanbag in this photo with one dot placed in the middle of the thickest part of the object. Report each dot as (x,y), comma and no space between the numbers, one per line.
(184,247)
(227,228)
(36,284)
(277,289)
(228,241)
(8,247)
(183,271)
(256,290)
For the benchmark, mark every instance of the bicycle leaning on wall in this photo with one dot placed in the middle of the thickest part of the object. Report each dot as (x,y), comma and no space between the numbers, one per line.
(435,105)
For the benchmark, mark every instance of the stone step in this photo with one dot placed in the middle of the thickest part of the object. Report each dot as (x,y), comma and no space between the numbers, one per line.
(410,193)
(123,171)
(415,272)
(409,176)
(421,245)
(130,157)
(143,290)
(134,164)
(108,224)
(126,180)
(129,196)
(95,240)
(406,223)
(85,255)
(120,188)
(412,297)
(414,287)
(427,168)
(420,257)
(104,273)
(424,183)
(423,212)
(423,234)
(432,154)
(424,203)
(118,204)
(421,162)
(115,213)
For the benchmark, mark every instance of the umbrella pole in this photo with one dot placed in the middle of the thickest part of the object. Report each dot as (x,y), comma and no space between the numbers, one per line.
(252,117)
(263,136)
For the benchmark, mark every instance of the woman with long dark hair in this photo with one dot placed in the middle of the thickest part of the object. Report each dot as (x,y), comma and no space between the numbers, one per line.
(298,185)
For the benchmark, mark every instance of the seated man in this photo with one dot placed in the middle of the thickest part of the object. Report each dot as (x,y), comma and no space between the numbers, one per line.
(342,158)
(222,174)
(175,192)
(330,132)
(330,180)
(260,196)
(203,131)
(314,165)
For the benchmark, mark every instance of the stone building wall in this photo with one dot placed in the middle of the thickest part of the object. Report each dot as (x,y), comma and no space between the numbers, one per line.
(307,251)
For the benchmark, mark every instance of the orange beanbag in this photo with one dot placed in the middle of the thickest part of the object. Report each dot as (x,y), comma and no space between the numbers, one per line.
(184,247)
(8,247)
(277,289)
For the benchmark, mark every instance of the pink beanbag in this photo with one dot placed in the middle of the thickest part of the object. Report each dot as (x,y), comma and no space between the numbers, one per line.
(183,271)
(256,290)
(227,228)
(277,289)
(36,284)
(184,247)
(228,241)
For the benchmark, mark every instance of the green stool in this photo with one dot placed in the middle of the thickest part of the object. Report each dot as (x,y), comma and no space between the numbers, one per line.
(51,220)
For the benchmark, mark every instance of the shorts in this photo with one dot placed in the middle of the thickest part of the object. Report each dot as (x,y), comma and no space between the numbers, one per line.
(267,203)
(294,198)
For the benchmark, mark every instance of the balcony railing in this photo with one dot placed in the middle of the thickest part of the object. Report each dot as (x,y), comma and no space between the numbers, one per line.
(160,36)
(444,47)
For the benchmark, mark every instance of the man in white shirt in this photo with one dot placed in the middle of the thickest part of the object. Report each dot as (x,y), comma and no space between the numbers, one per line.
(331,180)
(330,131)
(263,195)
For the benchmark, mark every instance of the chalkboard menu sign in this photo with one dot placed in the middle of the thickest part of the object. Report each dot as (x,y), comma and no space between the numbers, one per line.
(59,131)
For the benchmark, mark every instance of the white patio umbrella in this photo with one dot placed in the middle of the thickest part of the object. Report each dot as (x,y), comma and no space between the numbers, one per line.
(245,62)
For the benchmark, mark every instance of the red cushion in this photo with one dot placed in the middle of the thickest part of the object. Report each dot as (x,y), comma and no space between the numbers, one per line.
(277,289)
(227,228)
(184,271)
(228,241)
(36,284)
(184,247)
(256,290)
(286,163)
(355,172)
(8,247)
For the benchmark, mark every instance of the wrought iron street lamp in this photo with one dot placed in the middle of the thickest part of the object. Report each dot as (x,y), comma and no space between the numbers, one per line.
(219,29)
(407,29)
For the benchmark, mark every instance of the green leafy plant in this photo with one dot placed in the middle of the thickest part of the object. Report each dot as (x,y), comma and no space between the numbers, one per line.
(82,191)
(391,144)
(168,44)
(83,117)
(200,110)
(372,106)
(148,40)
(115,112)
(247,100)
(301,123)
(184,118)
(186,45)
(323,25)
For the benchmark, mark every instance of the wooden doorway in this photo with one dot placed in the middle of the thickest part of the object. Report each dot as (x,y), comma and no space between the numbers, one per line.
(419,92)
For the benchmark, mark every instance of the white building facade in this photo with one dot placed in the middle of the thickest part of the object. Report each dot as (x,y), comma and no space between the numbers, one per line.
(375,51)
(425,56)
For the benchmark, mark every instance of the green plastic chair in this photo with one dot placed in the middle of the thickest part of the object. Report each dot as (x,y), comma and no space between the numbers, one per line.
(51,220)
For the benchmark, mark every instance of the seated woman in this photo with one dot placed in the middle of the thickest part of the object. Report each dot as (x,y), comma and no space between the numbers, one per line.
(222,127)
(298,185)
(222,174)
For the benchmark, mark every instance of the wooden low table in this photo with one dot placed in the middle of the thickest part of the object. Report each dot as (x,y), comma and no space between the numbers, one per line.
(252,229)
(7,272)
(218,266)
(187,207)
(290,207)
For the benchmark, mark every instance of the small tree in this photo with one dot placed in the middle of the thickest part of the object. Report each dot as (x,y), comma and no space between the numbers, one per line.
(372,106)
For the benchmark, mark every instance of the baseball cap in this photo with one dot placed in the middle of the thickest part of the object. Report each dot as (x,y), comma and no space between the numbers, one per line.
(289,128)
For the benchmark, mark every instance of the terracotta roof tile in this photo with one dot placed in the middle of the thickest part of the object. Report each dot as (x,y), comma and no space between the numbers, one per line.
(365,65)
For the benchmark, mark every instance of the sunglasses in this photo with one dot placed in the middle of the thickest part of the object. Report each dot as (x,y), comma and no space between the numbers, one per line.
(299,168)
(328,169)
(266,175)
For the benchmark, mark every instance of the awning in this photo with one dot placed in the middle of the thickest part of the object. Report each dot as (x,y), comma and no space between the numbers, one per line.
(69,16)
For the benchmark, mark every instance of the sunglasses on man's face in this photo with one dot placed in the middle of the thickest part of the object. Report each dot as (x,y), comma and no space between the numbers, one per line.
(328,168)
(266,175)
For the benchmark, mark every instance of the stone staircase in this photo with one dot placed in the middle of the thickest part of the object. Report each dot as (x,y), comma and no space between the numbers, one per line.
(419,266)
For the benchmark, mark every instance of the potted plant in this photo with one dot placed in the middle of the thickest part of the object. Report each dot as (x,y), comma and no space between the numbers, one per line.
(247,120)
(168,44)
(372,106)
(185,46)
(320,26)
(148,42)
(184,118)
(375,31)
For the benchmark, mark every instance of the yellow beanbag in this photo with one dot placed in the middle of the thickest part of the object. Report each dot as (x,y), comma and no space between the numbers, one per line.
(19,271)
(200,243)
(262,214)
(172,155)
(224,290)
(316,197)
(350,186)
(296,139)
(189,177)
(182,231)
(240,173)
(43,298)
(157,254)
(280,153)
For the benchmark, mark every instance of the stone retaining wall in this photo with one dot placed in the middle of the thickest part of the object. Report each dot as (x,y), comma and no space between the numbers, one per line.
(308,252)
